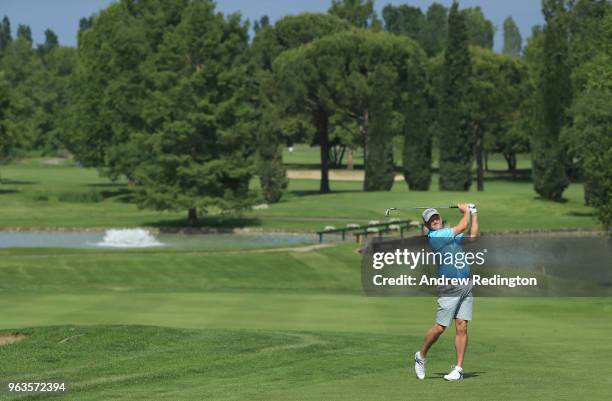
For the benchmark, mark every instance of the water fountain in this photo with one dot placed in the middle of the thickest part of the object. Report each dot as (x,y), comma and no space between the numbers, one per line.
(129,238)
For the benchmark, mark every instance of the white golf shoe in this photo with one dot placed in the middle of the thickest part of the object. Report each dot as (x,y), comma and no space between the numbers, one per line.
(455,374)
(419,366)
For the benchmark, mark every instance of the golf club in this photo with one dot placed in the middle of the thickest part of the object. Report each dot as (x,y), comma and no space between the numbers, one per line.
(405,209)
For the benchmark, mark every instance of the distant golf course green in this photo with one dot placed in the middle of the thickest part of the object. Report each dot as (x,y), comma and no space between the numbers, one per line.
(36,194)
(273,325)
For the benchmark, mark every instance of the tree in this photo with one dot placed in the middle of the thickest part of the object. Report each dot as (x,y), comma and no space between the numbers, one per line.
(435,31)
(24,32)
(360,75)
(274,127)
(59,64)
(51,42)
(554,97)
(26,76)
(499,87)
(419,129)
(456,140)
(587,136)
(85,23)
(198,138)
(157,95)
(430,30)
(6,134)
(512,38)
(5,33)
(480,30)
(359,13)
(591,142)
(109,87)
(404,20)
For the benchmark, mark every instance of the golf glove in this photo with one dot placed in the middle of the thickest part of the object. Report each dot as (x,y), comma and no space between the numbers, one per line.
(472,208)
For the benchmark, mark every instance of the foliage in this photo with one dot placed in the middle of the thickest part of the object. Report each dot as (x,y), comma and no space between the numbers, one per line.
(499,90)
(404,20)
(554,97)
(359,13)
(512,38)
(26,77)
(480,30)
(456,140)
(274,127)
(24,32)
(5,33)
(587,137)
(430,30)
(198,138)
(435,32)
(165,105)
(6,132)
(591,142)
(347,73)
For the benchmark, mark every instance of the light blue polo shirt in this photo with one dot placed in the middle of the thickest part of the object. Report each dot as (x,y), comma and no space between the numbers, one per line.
(444,242)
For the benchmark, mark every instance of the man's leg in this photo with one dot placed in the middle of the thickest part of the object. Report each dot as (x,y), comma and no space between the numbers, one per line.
(431,337)
(461,339)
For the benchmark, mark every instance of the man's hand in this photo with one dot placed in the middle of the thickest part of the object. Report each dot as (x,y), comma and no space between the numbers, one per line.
(472,208)
(463,207)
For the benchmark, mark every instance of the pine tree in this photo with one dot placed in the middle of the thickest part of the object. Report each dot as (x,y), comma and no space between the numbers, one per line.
(456,141)
(512,38)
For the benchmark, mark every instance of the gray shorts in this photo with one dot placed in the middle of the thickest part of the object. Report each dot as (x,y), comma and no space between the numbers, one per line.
(449,308)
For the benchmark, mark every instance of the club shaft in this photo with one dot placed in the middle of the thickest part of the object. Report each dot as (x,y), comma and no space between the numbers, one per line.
(388,211)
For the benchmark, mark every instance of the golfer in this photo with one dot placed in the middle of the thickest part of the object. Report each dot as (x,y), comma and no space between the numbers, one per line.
(454,302)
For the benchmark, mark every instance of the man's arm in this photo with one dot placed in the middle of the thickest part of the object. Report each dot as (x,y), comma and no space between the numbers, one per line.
(474,227)
(465,220)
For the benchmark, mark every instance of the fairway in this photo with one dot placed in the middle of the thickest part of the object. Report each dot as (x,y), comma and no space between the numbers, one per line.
(38,195)
(276,326)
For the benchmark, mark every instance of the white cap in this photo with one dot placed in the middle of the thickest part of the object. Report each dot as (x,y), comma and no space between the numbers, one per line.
(429,213)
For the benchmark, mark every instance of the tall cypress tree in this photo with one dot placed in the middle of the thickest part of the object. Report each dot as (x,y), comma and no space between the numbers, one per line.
(6,137)
(554,98)
(5,33)
(24,32)
(456,153)
(512,38)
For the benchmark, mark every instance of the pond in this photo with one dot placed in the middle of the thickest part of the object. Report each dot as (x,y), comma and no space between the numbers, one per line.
(140,238)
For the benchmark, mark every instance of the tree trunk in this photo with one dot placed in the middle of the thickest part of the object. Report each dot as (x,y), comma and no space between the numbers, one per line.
(479,162)
(323,134)
(192,217)
(364,132)
(486,160)
(511,161)
(349,159)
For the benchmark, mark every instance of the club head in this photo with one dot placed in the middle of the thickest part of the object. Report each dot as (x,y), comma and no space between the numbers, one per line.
(388,211)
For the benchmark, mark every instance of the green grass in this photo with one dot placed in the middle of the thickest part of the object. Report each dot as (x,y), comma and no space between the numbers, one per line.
(143,325)
(306,156)
(36,195)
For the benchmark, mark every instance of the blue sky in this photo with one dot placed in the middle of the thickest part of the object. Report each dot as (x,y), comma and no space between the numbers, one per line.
(63,15)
